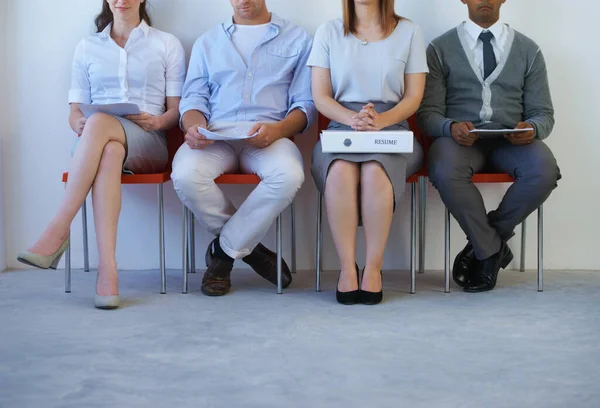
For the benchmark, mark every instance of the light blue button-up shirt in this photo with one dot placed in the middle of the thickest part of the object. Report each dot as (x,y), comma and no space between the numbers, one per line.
(275,81)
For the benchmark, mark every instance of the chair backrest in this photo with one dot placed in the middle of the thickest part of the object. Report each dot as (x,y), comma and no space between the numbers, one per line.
(175,139)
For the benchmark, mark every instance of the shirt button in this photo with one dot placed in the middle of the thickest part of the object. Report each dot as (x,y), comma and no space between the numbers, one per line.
(249,74)
(487,84)
(246,96)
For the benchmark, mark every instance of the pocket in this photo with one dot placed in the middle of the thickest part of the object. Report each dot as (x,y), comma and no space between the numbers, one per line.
(282,52)
(282,60)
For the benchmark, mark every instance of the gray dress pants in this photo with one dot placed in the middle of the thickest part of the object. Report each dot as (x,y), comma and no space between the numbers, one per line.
(451,167)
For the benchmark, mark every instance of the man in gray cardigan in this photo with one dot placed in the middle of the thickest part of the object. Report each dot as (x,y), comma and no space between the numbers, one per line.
(485,75)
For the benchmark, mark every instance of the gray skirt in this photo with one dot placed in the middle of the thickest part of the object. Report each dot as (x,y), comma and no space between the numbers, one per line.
(146,152)
(398,166)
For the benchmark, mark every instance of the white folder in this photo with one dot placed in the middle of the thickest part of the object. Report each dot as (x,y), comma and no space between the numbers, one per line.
(386,141)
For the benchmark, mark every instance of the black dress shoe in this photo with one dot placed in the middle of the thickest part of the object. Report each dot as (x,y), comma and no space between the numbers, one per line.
(217,278)
(371,298)
(487,271)
(465,266)
(348,298)
(264,262)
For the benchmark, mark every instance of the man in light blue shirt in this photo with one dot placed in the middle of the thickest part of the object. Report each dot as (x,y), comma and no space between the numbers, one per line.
(247,77)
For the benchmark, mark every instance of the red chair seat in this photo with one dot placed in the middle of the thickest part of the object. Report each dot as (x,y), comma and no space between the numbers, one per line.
(492,178)
(155,178)
(238,179)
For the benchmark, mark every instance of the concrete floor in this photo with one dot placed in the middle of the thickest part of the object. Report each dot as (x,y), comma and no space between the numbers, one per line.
(512,347)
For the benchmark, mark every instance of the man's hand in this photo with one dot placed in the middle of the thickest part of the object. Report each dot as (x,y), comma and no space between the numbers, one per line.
(267,133)
(461,133)
(195,140)
(80,125)
(146,121)
(521,139)
(367,119)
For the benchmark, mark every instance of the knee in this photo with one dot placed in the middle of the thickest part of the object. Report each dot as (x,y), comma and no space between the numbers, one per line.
(373,176)
(188,176)
(113,154)
(98,122)
(444,171)
(543,172)
(286,179)
(343,172)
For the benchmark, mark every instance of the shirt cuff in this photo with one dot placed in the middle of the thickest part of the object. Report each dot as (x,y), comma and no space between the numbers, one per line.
(309,110)
(183,110)
(447,128)
(80,96)
(174,89)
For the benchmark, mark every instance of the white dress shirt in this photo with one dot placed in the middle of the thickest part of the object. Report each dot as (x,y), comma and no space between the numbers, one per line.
(500,32)
(148,69)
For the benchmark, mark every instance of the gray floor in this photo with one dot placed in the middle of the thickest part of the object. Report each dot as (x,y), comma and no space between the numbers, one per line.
(513,347)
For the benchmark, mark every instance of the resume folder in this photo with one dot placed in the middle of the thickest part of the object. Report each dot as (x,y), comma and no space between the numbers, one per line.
(386,141)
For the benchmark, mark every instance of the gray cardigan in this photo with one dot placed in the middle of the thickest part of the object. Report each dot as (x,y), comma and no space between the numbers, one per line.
(517,91)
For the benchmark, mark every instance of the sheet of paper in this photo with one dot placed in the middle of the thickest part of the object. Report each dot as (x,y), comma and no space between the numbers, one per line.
(500,131)
(239,135)
(117,109)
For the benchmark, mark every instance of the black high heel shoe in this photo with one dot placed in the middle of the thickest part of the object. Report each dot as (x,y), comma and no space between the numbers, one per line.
(370,298)
(348,298)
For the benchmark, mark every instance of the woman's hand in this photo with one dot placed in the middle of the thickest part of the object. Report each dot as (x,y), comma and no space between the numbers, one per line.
(79,125)
(146,121)
(367,119)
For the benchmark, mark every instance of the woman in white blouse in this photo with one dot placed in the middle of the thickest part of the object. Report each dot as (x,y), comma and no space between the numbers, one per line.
(126,61)
(368,74)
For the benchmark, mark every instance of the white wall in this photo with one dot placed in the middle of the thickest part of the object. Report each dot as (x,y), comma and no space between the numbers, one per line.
(37,146)
(3,123)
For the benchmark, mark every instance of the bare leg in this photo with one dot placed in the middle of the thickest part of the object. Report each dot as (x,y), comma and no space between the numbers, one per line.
(106,199)
(377,203)
(99,130)
(341,201)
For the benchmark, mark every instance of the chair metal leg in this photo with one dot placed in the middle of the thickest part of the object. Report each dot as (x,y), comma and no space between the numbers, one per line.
(541,248)
(184,246)
(447,253)
(192,240)
(423,184)
(319,241)
(161,239)
(68,263)
(293,233)
(68,269)
(413,237)
(523,243)
(279,256)
(86,252)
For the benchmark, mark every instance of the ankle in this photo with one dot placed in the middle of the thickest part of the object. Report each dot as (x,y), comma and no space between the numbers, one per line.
(219,253)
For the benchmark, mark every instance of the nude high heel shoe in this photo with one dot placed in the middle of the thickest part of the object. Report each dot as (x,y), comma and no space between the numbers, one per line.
(107,302)
(44,262)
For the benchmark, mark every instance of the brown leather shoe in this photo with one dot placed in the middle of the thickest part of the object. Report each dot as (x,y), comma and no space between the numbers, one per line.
(217,278)
(264,262)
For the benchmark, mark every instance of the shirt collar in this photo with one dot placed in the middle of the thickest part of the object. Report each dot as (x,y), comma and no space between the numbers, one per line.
(475,30)
(143,26)
(276,22)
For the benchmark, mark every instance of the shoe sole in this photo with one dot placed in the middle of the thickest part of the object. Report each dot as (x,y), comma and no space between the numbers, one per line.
(26,262)
(212,294)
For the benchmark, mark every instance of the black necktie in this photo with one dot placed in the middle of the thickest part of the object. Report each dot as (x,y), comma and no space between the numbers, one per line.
(489,58)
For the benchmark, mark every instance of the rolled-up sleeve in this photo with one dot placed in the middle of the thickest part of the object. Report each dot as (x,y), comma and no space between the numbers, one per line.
(175,73)
(80,91)
(196,90)
(300,94)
